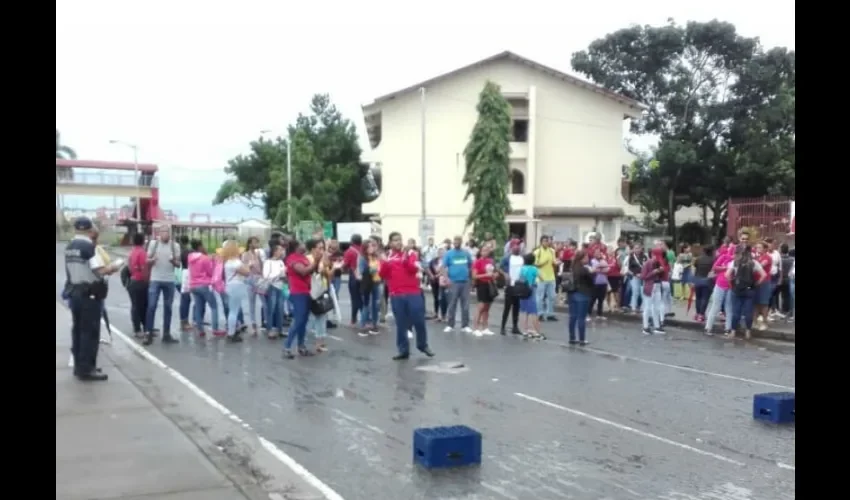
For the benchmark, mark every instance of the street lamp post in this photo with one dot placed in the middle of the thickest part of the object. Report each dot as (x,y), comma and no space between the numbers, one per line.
(135,149)
(288,181)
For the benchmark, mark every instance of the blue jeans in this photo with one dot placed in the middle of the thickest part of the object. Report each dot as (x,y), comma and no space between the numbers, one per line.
(720,298)
(579,304)
(653,307)
(319,326)
(204,297)
(409,312)
(274,309)
(742,308)
(546,298)
(300,316)
(252,301)
(666,298)
(371,306)
(237,292)
(702,291)
(154,289)
(635,292)
(225,304)
(185,303)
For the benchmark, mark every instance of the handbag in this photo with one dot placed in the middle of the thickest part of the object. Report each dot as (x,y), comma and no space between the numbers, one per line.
(493,289)
(521,289)
(322,304)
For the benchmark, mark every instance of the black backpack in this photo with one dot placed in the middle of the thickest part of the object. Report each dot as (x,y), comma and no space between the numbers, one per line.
(745,278)
(125,276)
(787,263)
(568,281)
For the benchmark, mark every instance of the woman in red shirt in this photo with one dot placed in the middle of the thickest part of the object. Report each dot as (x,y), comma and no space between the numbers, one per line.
(765,290)
(483,271)
(399,270)
(138,286)
(299,271)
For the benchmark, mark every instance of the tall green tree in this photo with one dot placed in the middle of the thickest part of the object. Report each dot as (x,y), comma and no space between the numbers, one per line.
(686,75)
(63,151)
(487,155)
(327,176)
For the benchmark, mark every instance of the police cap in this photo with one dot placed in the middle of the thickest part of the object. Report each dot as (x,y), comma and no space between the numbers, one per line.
(83,224)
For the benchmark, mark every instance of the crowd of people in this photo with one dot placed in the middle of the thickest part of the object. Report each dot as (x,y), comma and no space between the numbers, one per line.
(290,288)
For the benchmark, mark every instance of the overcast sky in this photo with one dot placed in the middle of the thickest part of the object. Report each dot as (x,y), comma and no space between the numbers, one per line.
(192,82)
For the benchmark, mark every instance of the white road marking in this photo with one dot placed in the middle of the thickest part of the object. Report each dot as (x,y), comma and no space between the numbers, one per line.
(686,368)
(276,452)
(786,466)
(630,429)
(358,422)
(335,337)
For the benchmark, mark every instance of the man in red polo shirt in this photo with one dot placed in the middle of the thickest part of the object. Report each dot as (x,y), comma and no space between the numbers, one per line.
(349,265)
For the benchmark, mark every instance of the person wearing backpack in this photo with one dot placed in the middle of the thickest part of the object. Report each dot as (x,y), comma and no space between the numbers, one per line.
(163,258)
(745,275)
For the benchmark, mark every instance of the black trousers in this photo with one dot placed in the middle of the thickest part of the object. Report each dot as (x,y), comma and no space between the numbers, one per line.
(512,308)
(781,298)
(599,293)
(85,331)
(138,291)
(356,297)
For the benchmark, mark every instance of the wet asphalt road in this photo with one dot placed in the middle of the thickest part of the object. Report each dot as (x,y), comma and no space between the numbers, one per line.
(630,417)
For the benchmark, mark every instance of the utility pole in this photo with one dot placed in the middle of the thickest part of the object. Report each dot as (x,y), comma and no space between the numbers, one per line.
(289,185)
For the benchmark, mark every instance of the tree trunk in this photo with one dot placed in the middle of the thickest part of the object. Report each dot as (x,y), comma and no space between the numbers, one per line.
(671,216)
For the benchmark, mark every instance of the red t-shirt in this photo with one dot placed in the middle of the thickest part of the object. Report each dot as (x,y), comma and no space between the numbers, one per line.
(613,267)
(766,262)
(349,258)
(297,284)
(568,254)
(480,267)
(138,262)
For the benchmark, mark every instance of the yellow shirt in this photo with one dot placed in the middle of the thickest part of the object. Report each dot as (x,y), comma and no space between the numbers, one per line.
(544,259)
(373,267)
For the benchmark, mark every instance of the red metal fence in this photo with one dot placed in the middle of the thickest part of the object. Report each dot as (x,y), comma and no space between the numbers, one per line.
(769,216)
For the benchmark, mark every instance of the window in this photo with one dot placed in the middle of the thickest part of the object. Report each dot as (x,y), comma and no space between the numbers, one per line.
(517,182)
(520,130)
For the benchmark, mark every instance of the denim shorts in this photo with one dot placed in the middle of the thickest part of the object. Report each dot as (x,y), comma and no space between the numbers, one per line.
(763,293)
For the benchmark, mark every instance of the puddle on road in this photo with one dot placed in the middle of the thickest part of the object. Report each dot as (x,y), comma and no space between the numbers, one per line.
(445,367)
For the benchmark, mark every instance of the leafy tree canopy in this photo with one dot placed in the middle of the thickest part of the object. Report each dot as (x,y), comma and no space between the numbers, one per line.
(327,176)
(721,107)
(487,157)
(63,151)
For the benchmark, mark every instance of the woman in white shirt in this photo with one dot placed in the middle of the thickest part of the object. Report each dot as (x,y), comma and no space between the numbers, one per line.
(236,287)
(273,275)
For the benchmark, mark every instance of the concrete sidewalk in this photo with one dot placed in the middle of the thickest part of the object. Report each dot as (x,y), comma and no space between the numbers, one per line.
(114,441)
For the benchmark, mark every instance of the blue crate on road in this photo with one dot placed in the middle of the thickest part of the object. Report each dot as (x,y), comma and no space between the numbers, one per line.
(435,447)
(775,407)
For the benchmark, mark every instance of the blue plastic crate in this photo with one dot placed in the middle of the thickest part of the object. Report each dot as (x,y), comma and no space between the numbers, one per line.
(454,446)
(776,407)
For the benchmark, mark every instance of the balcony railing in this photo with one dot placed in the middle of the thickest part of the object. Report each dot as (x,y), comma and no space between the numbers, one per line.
(108,179)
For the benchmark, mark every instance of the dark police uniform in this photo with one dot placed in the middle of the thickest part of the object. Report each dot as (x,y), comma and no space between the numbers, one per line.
(86,290)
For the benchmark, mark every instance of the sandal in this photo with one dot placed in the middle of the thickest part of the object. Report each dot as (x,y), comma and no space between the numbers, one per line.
(321,348)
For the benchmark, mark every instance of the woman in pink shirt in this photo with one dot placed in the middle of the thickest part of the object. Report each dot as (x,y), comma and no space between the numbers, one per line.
(137,264)
(201,269)
(721,298)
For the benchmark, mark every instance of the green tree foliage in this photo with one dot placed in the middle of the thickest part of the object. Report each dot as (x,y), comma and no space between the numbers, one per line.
(63,151)
(487,157)
(327,176)
(710,92)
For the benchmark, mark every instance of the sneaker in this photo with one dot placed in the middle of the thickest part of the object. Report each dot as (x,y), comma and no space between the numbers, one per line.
(573,342)
(374,331)
(583,343)
(219,333)
(410,334)
(466,329)
(708,333)
(448,329)
(388,317)
(71,362)
(478,333)
(601,318)
(363,332)
(647,331)
(659,331)
(487,331)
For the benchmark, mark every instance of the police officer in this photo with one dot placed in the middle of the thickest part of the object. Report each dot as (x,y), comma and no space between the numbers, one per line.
(86,273)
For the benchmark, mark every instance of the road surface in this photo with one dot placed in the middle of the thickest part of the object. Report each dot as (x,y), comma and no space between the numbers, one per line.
(629,417)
